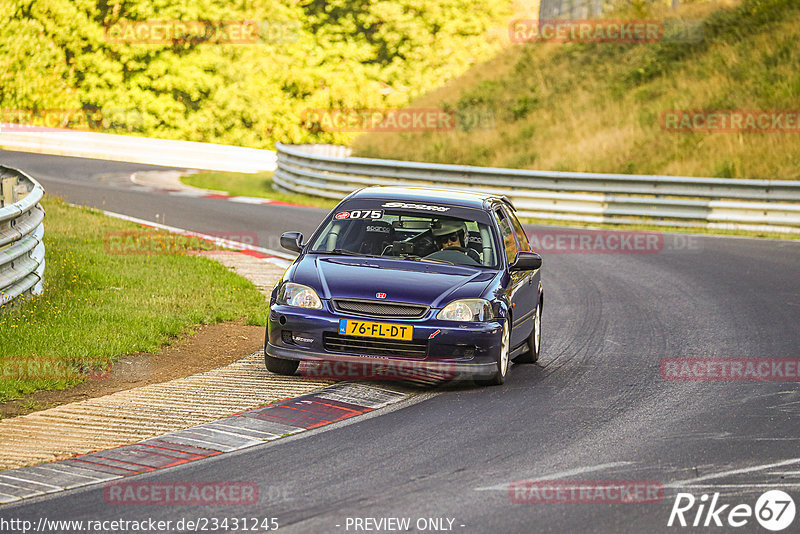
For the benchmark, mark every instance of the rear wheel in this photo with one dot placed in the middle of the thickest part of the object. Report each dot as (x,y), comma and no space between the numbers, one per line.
(534,340)
(281,366)
(502,360)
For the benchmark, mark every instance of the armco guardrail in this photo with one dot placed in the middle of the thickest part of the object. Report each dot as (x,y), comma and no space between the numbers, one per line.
(21,235)
(772,205)
(167,152)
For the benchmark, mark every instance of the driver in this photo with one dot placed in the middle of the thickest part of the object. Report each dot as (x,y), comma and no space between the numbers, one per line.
(453,235)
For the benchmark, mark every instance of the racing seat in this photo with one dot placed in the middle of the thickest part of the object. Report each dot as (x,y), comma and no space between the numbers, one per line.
(377,236)
(475,242)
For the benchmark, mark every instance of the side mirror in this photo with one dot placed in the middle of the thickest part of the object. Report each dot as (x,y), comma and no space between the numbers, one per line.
(292,241)
(526,261)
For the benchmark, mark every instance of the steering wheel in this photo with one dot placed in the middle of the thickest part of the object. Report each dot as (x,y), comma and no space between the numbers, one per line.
(471,252)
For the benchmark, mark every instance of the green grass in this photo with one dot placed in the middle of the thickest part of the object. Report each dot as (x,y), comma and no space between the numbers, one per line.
(30,406)
(251,185)
(99,304)
(595,107)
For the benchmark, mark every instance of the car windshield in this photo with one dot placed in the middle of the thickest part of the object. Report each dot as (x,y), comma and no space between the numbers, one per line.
(408,235)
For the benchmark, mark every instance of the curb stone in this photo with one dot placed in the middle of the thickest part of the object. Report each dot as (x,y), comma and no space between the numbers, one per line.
(245,429)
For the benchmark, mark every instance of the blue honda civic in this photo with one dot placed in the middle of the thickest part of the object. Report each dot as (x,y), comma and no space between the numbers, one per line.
(409,282)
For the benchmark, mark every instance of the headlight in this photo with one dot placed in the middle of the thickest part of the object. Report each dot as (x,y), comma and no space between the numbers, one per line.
(299,296)
(467,310)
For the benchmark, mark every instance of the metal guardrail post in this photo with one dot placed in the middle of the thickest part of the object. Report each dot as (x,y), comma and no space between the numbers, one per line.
(772,205)
(22,251)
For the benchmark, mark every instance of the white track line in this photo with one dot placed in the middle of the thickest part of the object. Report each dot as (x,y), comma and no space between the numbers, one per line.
(280,258)
(682,483)
(563,474)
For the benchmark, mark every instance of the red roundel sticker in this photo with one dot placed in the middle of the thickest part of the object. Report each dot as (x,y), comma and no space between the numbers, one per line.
(342,215)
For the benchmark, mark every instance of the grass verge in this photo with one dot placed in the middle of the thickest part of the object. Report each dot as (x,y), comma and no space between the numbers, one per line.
(252,185)
(101,302)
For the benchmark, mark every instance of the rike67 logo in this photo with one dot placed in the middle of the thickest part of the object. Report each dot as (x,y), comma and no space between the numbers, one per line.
(774,510)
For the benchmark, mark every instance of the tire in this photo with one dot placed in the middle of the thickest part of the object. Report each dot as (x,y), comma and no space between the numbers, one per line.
(534,340)
(502,359)
(281,366)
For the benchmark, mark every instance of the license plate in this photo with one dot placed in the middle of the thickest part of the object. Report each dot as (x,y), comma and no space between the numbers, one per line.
(370,329)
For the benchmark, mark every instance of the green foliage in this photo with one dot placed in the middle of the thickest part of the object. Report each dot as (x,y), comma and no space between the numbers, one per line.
(33,71)
(311,54)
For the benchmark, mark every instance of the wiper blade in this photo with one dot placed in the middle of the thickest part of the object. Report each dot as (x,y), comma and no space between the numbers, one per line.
(414,257)
(343,252)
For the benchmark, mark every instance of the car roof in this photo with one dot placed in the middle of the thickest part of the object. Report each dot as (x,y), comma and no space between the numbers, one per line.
(451,197)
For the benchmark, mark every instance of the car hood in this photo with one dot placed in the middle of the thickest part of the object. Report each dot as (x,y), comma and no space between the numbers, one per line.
(418,282)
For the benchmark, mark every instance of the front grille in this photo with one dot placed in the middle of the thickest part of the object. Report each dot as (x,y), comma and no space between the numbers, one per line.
(382,310)
(371,346)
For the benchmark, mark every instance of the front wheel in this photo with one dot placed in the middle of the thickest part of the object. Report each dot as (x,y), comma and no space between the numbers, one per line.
(280,366)
(502,360)
(534,340)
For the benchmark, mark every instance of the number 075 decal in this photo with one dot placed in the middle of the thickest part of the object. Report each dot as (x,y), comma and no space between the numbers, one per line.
(359,214)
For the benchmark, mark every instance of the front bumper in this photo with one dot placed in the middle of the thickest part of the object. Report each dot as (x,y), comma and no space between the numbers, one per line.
(454,351)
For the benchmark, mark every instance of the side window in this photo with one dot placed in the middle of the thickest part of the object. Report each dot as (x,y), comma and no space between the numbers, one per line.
(507,233)
(522,239)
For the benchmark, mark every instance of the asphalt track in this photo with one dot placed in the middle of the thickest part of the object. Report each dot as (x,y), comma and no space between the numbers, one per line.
(593,409)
